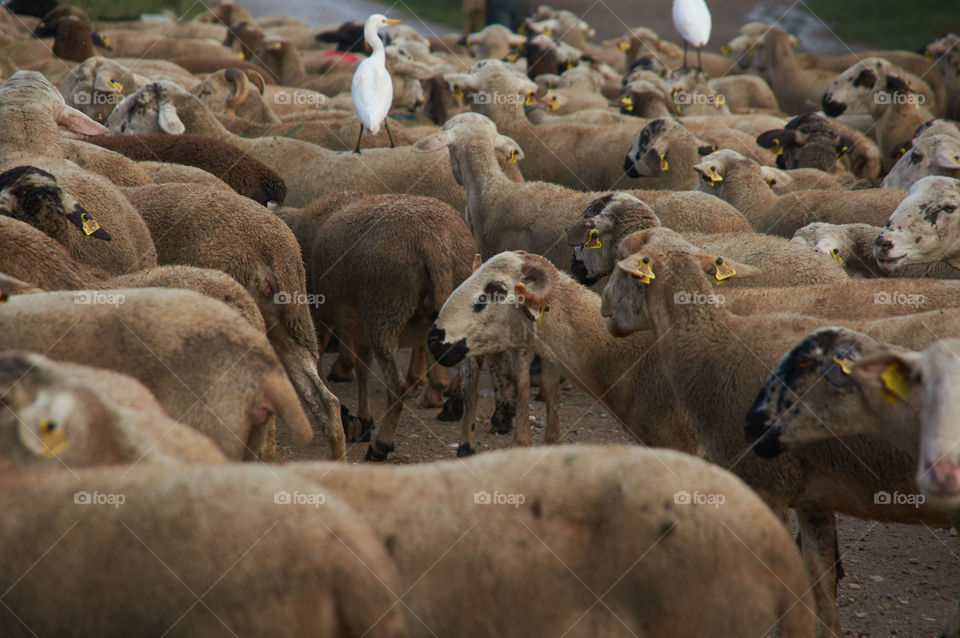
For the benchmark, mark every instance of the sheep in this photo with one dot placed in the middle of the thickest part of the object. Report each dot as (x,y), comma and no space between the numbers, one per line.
(228,91)
(164,173)
(923,228)
(246,35)
(288,571)
(282,61)
(225,13)
(798,179)
(866,88)
(808,141)
(209,228)
(607,223)
(928,155)
(120,170)
(666,149)
(81,416)
(381,303)
(131,44)
(570,29)
(308,170)
(697,344)
(505,215)
(596,509)
(246,175)
(851,245)
(642,42)
(30,109)
(174,342)
(740,182)
(73,38)
(493,41)
(943,52)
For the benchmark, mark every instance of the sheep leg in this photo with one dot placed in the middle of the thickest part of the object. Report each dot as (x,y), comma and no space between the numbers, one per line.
(417,368)
(504,393)
(389,135)
(382,444)
(364,413)
(818,534)
(468,377)
(343,367)
(359,137)
(521,375)
(550,389)
(436,384)
(453,399)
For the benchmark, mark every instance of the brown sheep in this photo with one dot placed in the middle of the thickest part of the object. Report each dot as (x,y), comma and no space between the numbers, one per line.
(228,92)
(209,228)
(246,175)
(403,256)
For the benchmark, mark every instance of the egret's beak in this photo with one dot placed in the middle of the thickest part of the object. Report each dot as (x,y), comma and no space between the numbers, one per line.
(394,21)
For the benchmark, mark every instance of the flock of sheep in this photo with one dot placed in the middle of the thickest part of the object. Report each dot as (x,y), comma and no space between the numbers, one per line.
(753,263)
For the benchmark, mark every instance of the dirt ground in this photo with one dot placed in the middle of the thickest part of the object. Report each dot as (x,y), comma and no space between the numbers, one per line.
(900,580)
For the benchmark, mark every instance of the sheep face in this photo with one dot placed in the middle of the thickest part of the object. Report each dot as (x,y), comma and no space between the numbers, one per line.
(829,239)
(930,155)
(858,89)
(33,196)
(648,155)
(47,419)
(808,141)
(498,308)
(715,168)
(924,226)
(149,110)
(597,233)
(96,86)
(230,91)
(810,394)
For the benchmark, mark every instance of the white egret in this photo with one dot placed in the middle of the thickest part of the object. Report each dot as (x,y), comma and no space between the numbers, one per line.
(372,89)
(692,20)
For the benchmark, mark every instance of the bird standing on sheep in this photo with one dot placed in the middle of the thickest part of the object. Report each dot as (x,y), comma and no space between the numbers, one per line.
(372,89)
(692,19)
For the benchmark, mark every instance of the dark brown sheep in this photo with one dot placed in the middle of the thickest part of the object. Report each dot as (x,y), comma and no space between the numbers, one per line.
(244,174)
(206,64)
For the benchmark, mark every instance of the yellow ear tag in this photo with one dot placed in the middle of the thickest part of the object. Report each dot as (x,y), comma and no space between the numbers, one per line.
(724,271)
(530,100)
(664,164)
(776,149)
(569,65)
(117,86)
(623,45)
(513,55)
(90,225)
(928,55)
(522,29)
(106,41)
(514,156)
(842,151)
(901,151)
(239,55)
(457,92)
(679,110)
(894,384)
(843,363)
(51,438)
(771,181)
(724,49)
(540,316)
(645,272)
(835,253)
(593,240)
(719,101)
(627,103)
(547,32)
(554,105)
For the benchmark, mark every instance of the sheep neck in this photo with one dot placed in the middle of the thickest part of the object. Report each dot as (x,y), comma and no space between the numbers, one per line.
(482,180)
(508,117)
(748,192)
(26,131)
(682,155)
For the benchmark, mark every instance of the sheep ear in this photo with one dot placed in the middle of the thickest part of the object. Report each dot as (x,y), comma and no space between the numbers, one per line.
(78,122)
(102,83)
(269,287)
(169,120)
(477,261)
(892,373)
(706,149)
(510,149)
(639,267)
(434,142)
(257,80)
(844,144)
(722,269)
(944,159)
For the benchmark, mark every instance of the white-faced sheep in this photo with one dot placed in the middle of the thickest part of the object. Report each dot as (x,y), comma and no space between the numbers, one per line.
(866,88)
(928,155)
(740,182)
(381,302)
(82,416)
(308,170)
(924,226)
(209,228)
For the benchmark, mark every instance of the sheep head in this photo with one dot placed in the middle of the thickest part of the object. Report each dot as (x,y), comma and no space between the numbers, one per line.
(659,142)
(498,308)
(924,228)
(32,196)
(598,232)
(30,91)
(97,85)
(866,88)
(928,155)
(149,110)
(829,239)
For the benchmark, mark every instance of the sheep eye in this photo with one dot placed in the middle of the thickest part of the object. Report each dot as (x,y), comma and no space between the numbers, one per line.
(949,208)
(916,157)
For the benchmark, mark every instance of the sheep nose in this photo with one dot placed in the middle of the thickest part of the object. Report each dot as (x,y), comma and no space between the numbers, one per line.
(882,243)
(946,474)
(446,354)
(579,271)
(765,439)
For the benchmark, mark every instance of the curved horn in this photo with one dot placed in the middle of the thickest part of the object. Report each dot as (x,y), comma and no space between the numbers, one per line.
(541,272)
(257,79)
(241,84)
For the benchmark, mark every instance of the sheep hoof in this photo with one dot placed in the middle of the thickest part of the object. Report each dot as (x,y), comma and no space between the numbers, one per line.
(502,419)
(378,452)
(452,409)
(432,398)
(366,429)
(465,449)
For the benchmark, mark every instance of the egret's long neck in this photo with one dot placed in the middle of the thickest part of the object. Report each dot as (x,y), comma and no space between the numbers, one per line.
(370,34)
